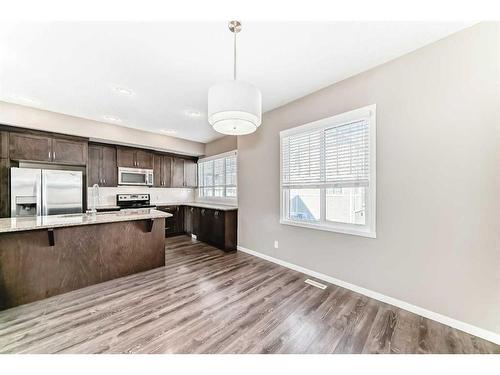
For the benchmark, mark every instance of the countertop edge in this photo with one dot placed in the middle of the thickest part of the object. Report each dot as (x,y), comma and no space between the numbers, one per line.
(115,219)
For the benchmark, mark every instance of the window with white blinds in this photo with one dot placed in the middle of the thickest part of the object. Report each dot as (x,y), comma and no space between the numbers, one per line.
(217,177)
(328,173)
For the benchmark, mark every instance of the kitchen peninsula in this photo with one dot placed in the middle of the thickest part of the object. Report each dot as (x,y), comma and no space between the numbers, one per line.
(48,255)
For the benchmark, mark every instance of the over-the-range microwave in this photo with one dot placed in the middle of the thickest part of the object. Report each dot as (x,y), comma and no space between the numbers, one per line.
(135,176)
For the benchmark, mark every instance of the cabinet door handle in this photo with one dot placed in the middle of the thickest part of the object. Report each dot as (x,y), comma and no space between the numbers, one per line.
(49,155)
(216,213)
(104,181)
(53,155)
(192,209)
(203,211)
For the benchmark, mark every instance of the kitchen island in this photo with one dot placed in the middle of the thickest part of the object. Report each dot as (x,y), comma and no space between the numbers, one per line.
(48,255)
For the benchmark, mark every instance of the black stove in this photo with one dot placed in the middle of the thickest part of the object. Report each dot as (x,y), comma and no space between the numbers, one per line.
(133,201)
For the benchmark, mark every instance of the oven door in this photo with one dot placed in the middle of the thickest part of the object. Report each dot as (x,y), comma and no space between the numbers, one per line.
(133,176)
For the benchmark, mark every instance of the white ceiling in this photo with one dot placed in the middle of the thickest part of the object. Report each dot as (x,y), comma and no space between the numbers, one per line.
(74,67)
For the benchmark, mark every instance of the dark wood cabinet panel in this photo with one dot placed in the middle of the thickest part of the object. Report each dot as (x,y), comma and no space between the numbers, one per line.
(102,169)
(109,169)
(66,151)
(167,171)
(162,167)
(4,187)
(125,157)
(218,230)
(177,172)
(190,173)
(4,174)
(30,147)
(144,159)
(188,219)
(174,225)
(134,158)
(157,170)
(4,144)
(39,148)
(94,166)
(195,216)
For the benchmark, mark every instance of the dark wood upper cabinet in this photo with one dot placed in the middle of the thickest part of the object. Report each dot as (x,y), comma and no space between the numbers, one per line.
(101,167)
(190,173)
(94,165)
(144,159)
(177,172)
(157,170)
(4,145)
(30,147)
(162,167)
(108,167)
(134,158)
(125,157)
(66,151)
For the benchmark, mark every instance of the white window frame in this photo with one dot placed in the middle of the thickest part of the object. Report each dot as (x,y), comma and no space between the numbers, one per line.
(366,230)
(231,201)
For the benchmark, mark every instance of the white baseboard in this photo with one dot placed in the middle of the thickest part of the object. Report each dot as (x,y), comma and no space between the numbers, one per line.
(468,328)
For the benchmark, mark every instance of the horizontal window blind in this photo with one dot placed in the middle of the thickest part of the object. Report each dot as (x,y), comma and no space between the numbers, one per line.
(335,156)
(347,155)
(218,177)
(231,171)
(302,159)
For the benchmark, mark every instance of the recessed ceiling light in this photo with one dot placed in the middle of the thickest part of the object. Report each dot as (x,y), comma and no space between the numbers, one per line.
(123,90)
(169,131)
(111,118)
(192,113)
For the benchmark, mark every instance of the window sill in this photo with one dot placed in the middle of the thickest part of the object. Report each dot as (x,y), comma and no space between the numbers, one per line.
(329,228)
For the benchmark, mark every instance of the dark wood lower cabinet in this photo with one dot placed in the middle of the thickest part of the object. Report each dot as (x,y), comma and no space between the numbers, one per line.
(216,227)
(174,225)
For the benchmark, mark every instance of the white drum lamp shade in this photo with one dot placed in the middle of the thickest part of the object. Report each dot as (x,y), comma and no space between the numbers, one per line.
(234,107)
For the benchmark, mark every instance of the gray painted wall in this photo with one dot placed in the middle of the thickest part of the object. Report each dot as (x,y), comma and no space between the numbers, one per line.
(438,180)
(224,144)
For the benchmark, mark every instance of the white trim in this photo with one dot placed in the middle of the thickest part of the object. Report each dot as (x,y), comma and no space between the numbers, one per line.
(336,120)
(219,156)
(348,229)
(369,229)
(462,326)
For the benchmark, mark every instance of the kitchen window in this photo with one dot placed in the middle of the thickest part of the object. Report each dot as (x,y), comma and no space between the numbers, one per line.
(328,174)
(217,176)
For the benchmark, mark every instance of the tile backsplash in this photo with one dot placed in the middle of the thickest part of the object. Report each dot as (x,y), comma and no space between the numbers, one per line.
(107,195)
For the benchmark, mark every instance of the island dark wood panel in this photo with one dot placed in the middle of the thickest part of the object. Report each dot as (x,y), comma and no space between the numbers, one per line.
(31,269)
(208,301)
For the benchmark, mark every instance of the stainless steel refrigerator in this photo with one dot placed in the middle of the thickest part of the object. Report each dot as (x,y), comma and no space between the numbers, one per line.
(35,192)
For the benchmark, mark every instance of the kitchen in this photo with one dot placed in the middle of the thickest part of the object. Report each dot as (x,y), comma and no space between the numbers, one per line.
(135,192)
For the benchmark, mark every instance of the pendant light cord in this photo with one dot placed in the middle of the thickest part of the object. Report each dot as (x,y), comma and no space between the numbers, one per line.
(234,55)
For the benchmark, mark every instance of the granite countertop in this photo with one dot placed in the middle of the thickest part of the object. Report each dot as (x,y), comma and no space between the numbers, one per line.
(17,224)
(215,206)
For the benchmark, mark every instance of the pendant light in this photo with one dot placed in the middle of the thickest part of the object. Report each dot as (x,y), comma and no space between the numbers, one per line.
(234,107)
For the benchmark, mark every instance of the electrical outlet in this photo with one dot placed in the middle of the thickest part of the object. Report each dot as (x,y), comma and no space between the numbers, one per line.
(276,244)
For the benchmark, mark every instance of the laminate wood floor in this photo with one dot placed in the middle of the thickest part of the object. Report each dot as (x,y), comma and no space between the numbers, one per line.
(207,301)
